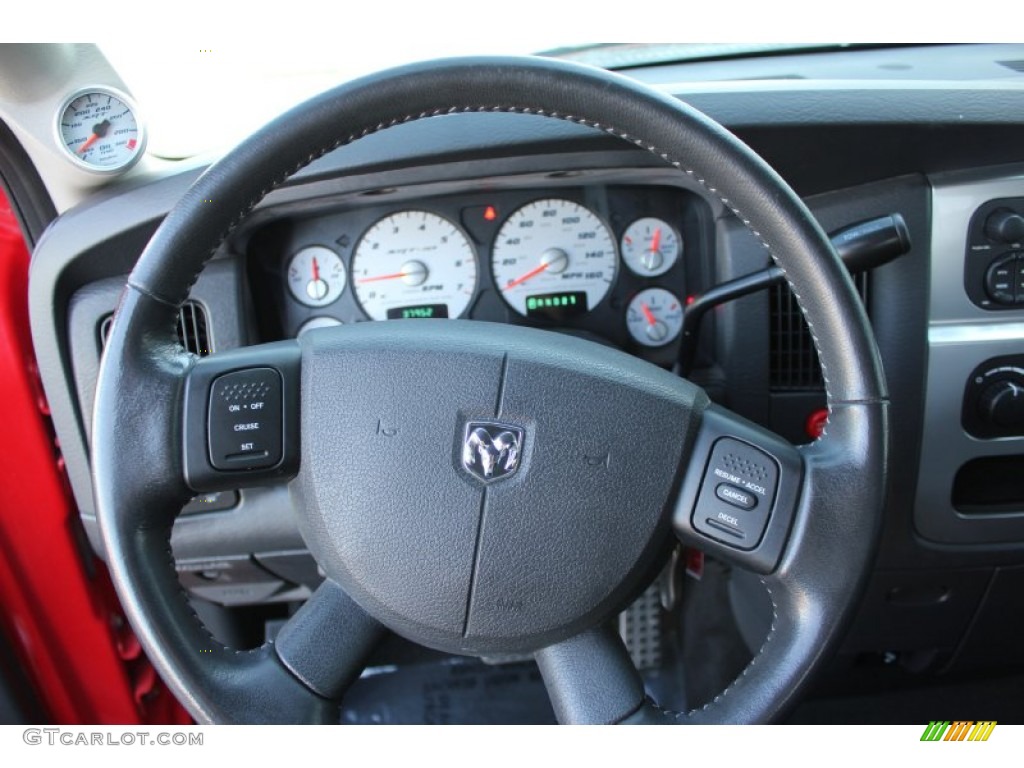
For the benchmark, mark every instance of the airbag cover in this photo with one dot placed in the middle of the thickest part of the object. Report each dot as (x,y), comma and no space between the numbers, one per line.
(469,564)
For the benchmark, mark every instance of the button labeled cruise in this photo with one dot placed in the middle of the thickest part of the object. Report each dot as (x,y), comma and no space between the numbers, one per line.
(244,424)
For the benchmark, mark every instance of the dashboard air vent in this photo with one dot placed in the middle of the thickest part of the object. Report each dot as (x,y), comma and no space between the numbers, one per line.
(193,329)
(793,365)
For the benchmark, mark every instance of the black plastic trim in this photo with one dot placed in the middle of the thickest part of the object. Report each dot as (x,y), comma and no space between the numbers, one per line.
(25,190)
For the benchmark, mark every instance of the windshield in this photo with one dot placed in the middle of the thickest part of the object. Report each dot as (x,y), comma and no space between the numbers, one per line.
(197,100)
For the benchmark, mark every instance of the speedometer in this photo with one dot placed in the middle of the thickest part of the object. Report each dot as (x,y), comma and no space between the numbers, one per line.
(554,259)
(414,264)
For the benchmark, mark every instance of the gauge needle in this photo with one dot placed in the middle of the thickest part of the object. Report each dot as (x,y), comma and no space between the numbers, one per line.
(413,273)
(88,143)
(392,276)
(651,319)
(98,132)
(316,269)
(656,240)
(532,273)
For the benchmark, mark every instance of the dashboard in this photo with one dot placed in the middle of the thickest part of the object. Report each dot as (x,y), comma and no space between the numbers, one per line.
(612,263)
(521,220)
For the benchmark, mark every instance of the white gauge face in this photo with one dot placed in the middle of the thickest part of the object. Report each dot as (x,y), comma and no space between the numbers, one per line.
(316,276)
(650,247)
(414,264)
(554,259)
(100,131)
(654,317)
(318,322)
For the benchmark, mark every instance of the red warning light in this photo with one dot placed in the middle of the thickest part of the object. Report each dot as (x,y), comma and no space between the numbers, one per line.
(690,300)
(490,214)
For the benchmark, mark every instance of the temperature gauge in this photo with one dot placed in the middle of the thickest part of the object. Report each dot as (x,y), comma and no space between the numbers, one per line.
(654,317)
(650,247)
(316,276)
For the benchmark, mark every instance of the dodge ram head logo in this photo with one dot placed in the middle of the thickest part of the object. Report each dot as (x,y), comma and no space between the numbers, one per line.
(491,450)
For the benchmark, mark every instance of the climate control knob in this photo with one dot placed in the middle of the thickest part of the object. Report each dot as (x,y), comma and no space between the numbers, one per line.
(1001,404)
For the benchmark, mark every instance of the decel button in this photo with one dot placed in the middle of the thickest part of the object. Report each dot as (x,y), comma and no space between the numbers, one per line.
(244,424)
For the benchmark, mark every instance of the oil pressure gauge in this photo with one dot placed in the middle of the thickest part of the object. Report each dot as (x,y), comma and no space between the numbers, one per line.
(99,130)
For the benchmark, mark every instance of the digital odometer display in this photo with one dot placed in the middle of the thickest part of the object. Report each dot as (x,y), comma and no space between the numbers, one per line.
(422,311)
(556,306)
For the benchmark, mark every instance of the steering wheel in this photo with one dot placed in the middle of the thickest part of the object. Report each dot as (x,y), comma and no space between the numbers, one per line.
(477,521)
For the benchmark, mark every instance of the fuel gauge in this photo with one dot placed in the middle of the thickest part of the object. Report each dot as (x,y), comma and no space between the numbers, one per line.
(654,317)
(316,276)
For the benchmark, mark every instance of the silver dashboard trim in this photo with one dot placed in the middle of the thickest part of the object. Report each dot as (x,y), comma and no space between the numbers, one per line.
(977,333)
(961,336)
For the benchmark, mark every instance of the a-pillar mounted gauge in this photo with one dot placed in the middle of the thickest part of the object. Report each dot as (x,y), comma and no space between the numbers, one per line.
(98,129)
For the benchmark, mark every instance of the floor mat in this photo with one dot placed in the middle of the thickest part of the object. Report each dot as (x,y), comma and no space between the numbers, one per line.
(453,691)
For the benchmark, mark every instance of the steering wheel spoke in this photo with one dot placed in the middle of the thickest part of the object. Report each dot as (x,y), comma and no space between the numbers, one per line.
(326,643)
(590,678)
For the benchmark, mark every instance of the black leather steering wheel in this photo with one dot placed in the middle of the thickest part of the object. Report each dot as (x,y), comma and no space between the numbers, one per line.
(412,536)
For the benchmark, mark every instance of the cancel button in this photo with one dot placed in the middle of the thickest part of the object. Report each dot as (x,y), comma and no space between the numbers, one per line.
(730,494)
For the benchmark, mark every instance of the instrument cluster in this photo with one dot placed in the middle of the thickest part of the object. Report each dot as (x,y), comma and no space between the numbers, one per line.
(611,262)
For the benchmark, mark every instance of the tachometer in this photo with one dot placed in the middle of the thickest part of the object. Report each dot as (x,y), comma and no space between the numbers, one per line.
(414,264)
(554,259)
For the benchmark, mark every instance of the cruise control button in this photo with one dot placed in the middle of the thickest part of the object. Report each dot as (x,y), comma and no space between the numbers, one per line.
(728,523)
(730,494)
(736,495)
(244,425)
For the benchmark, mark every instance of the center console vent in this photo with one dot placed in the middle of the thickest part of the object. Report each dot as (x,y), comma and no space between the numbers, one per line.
(793,361)
(192,327)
